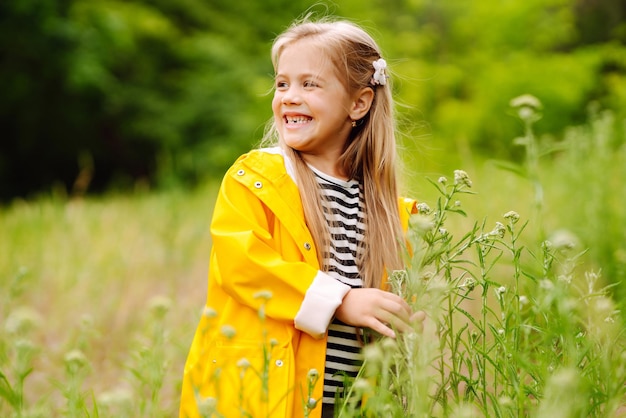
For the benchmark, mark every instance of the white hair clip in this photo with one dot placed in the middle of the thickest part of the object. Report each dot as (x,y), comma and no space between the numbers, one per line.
(380,75)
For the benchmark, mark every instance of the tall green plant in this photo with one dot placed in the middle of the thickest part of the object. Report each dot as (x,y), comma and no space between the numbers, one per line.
(512,329)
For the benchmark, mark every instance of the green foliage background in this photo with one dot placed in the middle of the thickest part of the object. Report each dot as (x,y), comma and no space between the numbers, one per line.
(103,93)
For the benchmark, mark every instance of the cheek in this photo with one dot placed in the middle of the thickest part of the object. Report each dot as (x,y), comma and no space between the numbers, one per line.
(276,102)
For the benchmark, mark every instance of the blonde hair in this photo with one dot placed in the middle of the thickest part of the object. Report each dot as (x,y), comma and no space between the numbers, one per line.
(370,153)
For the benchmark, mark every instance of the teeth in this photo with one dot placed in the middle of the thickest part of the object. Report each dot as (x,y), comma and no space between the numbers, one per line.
(297,119)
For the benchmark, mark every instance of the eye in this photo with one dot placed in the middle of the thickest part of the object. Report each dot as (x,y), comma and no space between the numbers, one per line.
(281,85)
(310,83)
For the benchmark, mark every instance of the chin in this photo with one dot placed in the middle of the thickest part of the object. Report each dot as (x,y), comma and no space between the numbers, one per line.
(297,145)
(294,141)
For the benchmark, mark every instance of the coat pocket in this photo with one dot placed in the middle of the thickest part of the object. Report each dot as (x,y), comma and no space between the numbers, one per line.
(249,379)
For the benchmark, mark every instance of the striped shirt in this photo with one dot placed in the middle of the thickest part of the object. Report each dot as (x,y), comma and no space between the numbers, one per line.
(343,209)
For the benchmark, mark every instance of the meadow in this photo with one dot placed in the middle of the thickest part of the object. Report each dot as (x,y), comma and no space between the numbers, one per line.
(516,265)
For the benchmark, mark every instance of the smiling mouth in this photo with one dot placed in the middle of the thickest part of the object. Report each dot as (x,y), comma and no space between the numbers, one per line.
(295,120)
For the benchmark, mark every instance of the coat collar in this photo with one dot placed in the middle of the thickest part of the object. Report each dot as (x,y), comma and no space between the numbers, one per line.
(270,176)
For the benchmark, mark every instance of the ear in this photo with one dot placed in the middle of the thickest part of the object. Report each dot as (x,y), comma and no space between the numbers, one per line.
(361,103)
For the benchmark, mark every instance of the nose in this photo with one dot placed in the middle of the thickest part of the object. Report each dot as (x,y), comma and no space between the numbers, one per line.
(291,96)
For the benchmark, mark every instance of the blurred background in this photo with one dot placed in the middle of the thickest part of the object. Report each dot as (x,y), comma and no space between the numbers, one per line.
(101,94)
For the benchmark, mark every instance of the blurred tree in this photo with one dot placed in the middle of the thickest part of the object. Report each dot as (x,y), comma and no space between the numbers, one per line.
(159,90)
(38,117)
(103,93)
(601,21)
(460,62)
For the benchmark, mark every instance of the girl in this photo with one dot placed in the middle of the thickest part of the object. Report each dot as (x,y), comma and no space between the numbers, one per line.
(303,233)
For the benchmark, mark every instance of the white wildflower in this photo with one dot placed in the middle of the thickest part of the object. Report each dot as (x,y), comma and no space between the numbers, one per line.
(591,278)
(207,406)
(565,278)
(498,231)
(22,320)
(500,291)
(563,240)
(311,403)
(75,360)
(546,284)
(243,363)
(209,312)
(373,353)
(25,348)
(464,410)
(422,223)
(469,284)
(570,304)
(228,331)
(399,276)
(461,178)
(526,100)
(505,401)
(362,385)
(512,216)
(263,294)
(423,208)
(565,379)
(117,398)
(389,345)
(159,306)
(313,374)
(603,304)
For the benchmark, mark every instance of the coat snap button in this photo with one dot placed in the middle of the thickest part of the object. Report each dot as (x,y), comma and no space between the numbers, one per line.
(307,246)
(241,172)
(279,363)
(258,184)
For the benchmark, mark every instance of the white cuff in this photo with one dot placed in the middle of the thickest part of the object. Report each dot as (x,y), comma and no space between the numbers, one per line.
(320,302)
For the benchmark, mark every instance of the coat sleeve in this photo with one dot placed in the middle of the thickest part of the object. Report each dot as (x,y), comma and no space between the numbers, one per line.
(408,207)
(252,254)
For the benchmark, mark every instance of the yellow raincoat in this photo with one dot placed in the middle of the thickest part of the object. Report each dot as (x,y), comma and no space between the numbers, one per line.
(262,336)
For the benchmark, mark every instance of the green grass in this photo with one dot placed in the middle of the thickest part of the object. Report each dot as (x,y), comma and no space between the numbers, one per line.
(101,296)
(95,275)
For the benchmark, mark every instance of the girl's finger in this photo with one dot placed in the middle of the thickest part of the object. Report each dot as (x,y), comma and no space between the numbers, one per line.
(395,322)
(396,307)
(418,316)
(382,329)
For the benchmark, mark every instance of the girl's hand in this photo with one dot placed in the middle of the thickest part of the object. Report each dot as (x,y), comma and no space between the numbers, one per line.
(378,310)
